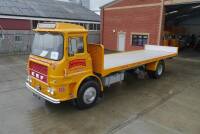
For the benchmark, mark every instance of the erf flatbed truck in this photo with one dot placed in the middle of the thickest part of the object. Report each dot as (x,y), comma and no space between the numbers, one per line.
(62,66)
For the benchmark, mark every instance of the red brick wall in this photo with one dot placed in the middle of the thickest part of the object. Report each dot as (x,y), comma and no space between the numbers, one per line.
(13,24)
(132,20)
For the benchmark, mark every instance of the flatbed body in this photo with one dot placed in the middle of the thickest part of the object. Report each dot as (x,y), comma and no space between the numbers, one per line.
(110,63)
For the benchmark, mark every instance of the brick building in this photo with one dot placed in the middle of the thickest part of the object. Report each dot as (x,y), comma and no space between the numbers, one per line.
(130,24)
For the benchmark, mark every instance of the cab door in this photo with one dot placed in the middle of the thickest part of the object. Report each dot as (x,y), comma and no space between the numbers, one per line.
(77,54)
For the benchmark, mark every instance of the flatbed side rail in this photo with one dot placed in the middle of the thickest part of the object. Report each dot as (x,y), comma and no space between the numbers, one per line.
(173,50)
(97,54)
(134,65)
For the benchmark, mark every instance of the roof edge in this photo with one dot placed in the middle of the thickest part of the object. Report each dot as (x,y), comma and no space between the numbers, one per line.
(168,3)
(4,16)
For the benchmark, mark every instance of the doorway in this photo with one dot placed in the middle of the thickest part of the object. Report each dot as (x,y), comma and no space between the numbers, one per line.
(121,41)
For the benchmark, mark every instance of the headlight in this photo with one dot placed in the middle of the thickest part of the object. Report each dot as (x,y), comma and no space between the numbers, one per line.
(51,91)
(29,79)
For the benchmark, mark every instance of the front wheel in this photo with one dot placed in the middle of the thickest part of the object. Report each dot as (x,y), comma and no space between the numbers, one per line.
(88,94)
(160,69)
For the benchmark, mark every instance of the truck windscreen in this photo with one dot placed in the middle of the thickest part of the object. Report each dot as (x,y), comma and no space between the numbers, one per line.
(49,46)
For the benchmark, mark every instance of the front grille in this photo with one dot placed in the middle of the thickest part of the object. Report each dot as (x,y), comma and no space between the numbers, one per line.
(38,71)
(38,67)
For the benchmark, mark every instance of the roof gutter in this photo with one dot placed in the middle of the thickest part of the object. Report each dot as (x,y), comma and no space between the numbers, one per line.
(47,19)
(169,3)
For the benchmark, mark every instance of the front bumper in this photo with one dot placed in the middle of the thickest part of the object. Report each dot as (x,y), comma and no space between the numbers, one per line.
(35,91)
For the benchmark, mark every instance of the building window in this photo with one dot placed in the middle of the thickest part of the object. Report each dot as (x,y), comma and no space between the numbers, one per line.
(140,39)
(84,25)
(18,38)
(1,36)
(95,27)
(76,45)
(91,27)
(34,24)
(98,26)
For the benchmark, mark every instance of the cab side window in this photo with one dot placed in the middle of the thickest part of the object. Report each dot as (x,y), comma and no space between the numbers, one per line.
(76,46)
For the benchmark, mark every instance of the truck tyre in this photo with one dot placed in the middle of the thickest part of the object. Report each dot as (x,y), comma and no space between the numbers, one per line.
(88,94)
(160,69)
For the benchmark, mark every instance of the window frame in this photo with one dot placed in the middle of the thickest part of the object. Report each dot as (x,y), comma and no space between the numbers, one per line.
(98,27)
(75,36)
(63,46)
(94,27)
(91,27)
(18,38)
(1,36)
(139,34)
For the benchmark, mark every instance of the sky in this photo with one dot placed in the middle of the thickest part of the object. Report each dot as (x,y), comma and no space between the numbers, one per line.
(95,4)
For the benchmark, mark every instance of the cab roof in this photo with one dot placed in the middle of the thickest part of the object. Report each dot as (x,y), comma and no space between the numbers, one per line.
(60,27)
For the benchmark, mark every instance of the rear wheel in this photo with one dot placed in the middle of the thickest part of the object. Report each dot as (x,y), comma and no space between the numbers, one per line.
(88,94)
(160,69)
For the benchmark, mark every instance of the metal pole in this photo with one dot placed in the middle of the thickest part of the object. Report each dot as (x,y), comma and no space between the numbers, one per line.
(161,22)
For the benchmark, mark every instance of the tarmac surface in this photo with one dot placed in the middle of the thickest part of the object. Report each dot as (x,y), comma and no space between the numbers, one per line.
(170,105)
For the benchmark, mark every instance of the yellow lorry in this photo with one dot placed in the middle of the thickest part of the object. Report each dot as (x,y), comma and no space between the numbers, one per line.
(62,66)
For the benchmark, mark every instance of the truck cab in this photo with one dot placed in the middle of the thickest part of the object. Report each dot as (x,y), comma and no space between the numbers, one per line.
(59,61)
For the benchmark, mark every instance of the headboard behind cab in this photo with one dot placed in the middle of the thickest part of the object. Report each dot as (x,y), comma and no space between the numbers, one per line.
(97,54)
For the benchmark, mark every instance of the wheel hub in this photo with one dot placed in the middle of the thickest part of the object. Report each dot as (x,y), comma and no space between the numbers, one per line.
(89,95)
(160,70)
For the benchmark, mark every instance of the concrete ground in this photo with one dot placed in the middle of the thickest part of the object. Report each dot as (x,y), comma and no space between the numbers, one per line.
(170,105)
